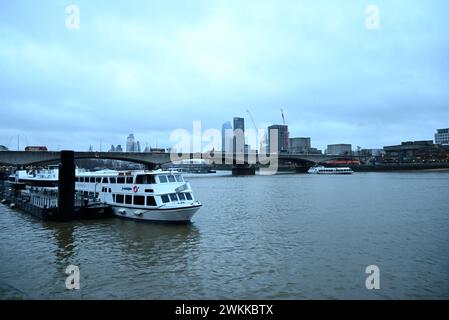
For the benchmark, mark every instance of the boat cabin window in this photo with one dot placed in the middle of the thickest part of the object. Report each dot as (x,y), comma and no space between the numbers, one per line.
(165,198)
(92,180)
(173,196)
(139,200)
(113,198)
(97,180)
(77,179)
(129,199)
(171,178)
(145,179)
(140,179)
(119,198)
(121,180)
(113,180)
(105,180)
(188,196)
(151,202)
(179,178)
(129,180)
(182,196)
(163,179)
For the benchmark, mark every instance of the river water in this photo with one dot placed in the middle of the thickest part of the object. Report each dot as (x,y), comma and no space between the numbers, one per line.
(287,236)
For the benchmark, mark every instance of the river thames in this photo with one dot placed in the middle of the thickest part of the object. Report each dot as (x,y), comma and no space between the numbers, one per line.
(289,236)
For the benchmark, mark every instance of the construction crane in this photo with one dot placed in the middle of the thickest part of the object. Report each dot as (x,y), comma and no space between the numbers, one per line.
(255,127)
(283,117)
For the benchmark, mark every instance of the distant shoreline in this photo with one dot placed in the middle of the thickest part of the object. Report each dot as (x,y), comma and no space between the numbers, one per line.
(400,167)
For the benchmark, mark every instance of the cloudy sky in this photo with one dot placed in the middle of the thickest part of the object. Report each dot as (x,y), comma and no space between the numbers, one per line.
(150,67)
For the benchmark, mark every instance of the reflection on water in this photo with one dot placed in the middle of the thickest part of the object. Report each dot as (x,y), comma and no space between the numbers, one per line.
(281,237)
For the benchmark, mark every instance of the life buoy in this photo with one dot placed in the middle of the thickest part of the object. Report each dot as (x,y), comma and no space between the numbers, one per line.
(136,189)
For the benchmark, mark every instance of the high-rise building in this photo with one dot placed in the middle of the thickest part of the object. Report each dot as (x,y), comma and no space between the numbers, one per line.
(442,136)
(119,148)
(239,123)
(137,147)
(239,135)
(130,143)
(299,145)
(226,136)
(339,149)
(112,149)
(282,141)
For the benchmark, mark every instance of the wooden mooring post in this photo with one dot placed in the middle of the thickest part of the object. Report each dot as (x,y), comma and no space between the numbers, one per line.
(66,194)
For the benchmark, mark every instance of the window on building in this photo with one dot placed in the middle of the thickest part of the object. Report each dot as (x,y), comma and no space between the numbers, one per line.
(139,200)
(165,198)
(151,201)
(129,199)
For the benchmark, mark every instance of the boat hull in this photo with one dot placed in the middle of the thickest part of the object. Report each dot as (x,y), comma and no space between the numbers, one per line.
(332,173)
(172,215)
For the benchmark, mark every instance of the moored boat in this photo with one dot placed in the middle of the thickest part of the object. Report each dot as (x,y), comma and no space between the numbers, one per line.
(141,195)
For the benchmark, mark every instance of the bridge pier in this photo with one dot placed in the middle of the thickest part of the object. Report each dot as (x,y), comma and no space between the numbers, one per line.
(243,170)
(66,193)
(302,169)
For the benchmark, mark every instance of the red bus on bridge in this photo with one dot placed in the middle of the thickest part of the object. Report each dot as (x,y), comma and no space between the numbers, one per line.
(36,148)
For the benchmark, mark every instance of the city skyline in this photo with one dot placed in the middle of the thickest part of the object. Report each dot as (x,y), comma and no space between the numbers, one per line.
(440,136)
(147,69)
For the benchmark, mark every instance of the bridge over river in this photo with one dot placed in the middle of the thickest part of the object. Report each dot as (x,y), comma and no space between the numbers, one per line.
(154,159)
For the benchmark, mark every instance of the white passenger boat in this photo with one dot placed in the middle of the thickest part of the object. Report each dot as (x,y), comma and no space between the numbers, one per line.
(141,195)
(40,178)
(327,170)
